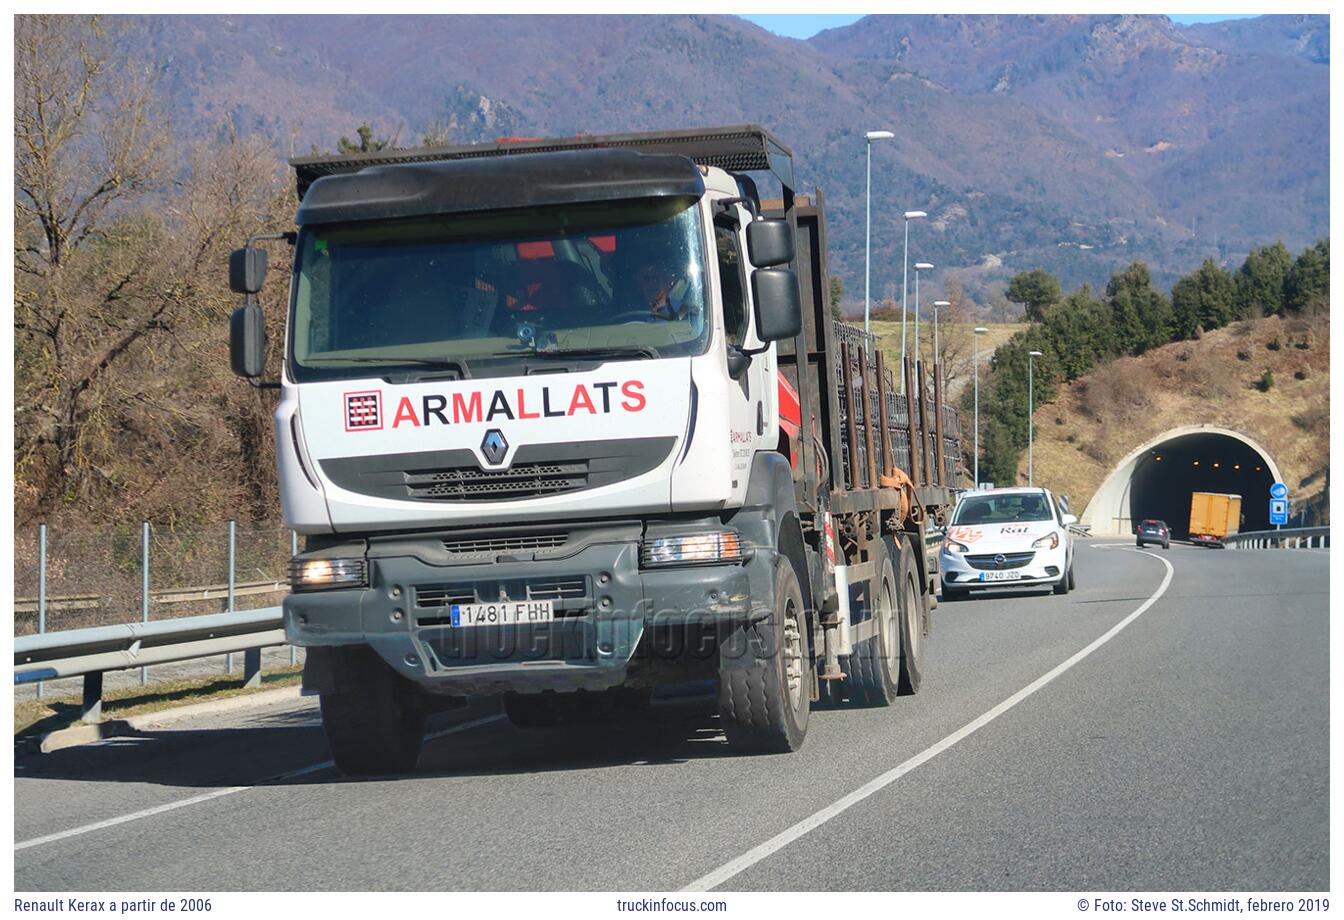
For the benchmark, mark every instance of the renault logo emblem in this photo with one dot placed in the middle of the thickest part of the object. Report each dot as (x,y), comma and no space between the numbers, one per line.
(494,447)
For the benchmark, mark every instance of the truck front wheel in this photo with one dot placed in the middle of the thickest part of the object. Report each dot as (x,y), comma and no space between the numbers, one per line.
(764,697)
(375,723)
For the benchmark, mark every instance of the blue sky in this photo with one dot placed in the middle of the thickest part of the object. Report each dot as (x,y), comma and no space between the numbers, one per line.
(805,25)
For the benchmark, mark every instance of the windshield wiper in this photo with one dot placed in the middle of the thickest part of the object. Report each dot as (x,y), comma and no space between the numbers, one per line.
(614,351)
(449,364)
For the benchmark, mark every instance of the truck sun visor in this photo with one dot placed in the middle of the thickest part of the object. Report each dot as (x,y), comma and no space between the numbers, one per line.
(498,183)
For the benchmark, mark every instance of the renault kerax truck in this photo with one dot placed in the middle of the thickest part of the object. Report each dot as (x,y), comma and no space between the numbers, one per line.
(568,422)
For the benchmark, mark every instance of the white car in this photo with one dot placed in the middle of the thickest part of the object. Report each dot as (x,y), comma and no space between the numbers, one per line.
(1006,538)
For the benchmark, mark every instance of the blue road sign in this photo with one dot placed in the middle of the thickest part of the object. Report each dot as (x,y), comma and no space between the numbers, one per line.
(1278,511)
(1278,490)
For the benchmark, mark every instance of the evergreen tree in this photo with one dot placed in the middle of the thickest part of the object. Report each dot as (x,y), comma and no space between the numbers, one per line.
(1202,300)
(1140,314)
(1036,290)
(1078,332)
(1309,278)
(1260,280)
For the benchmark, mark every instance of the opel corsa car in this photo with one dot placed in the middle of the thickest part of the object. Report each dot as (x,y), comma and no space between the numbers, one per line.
(1007,538)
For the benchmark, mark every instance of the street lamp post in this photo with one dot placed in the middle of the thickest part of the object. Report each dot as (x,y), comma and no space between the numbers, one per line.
(975,366)
(905,271)
(919,266)
(1031,409)
(868,222)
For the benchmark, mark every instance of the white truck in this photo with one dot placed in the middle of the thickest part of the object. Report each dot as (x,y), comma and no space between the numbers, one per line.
(569,420)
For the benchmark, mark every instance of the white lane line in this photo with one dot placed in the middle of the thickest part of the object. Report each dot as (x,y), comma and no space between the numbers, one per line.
(730,869)
(220,793)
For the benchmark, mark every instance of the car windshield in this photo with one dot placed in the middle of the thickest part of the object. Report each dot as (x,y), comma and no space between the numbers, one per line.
(491,292)
(1003,509)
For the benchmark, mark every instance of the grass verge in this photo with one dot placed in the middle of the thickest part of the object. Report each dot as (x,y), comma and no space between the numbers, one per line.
(37,717)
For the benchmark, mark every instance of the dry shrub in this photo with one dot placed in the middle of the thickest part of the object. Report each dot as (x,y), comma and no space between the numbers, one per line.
(1312,419)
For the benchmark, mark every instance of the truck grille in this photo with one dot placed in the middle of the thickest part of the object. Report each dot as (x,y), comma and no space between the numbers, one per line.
(990,562)
(488,546)
(523,480)
(551,589)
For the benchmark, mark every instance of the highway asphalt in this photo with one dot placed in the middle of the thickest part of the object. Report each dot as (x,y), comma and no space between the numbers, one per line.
(1058,743)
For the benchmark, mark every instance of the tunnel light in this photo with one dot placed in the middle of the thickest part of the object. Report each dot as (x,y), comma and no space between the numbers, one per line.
(1216,464)
(1236,466)
(1196,463)
(1257,469)
(1158,458)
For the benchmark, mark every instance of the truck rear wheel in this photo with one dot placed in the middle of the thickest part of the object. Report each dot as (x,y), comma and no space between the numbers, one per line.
(873,668)
(914,619)
(764,704)
(375,724)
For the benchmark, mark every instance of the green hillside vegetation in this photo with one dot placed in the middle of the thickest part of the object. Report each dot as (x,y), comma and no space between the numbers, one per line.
(1093,422)
(1086,329)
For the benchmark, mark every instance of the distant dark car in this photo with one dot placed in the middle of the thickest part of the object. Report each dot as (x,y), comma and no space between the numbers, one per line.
(1153,531)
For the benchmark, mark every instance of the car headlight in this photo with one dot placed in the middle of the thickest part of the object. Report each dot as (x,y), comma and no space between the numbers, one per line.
(1049,541)
(952,546)
(314,574)
(724,546)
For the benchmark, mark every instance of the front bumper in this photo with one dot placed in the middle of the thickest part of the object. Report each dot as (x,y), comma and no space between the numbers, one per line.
(607,610)
(1045,567)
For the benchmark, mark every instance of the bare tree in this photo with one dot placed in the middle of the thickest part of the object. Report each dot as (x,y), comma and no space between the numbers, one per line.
(120,301)
(86,142)
(955,348)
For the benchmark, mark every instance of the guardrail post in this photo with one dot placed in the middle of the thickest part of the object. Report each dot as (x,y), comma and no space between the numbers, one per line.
(228,608)
(144,610)
(92,708)
(41,592)
(293,551)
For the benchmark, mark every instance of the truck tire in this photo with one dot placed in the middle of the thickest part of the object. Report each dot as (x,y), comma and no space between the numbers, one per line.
(873,670)
(764,707)
(375,724)
(915,620)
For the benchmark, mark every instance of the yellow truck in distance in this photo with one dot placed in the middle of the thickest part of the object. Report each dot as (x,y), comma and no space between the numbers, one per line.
(1213,516)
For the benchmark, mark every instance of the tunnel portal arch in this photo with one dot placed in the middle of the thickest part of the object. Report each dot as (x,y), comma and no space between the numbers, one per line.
(1156,479)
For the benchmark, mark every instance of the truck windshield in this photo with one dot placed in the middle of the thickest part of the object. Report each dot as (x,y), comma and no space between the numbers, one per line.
(1002,509)
(497,292)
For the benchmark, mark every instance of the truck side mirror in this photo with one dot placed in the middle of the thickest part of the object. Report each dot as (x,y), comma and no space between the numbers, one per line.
(779,305)
(247,340)
(769,243)
(247,270)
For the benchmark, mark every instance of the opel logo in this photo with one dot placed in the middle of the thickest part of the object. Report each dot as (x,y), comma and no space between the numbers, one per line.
(1000,558)
(494,447)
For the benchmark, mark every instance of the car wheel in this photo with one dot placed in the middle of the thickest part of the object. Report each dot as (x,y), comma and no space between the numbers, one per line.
(1072,583)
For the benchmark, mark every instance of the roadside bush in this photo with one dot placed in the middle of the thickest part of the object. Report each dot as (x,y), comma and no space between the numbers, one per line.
(1274,344)
(1266,382)
(1301,374)
(1243,355)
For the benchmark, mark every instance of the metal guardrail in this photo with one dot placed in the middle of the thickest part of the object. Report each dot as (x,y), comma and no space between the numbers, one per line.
(91,652)
(1287,538)
(165,596)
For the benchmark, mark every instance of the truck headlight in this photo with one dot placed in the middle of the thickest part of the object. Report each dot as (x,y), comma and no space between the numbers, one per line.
(690,549)
(952,546)
(1049,541)
(313,574)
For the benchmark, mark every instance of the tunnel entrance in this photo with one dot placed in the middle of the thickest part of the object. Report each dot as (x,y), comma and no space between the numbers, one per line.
(1156,481)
